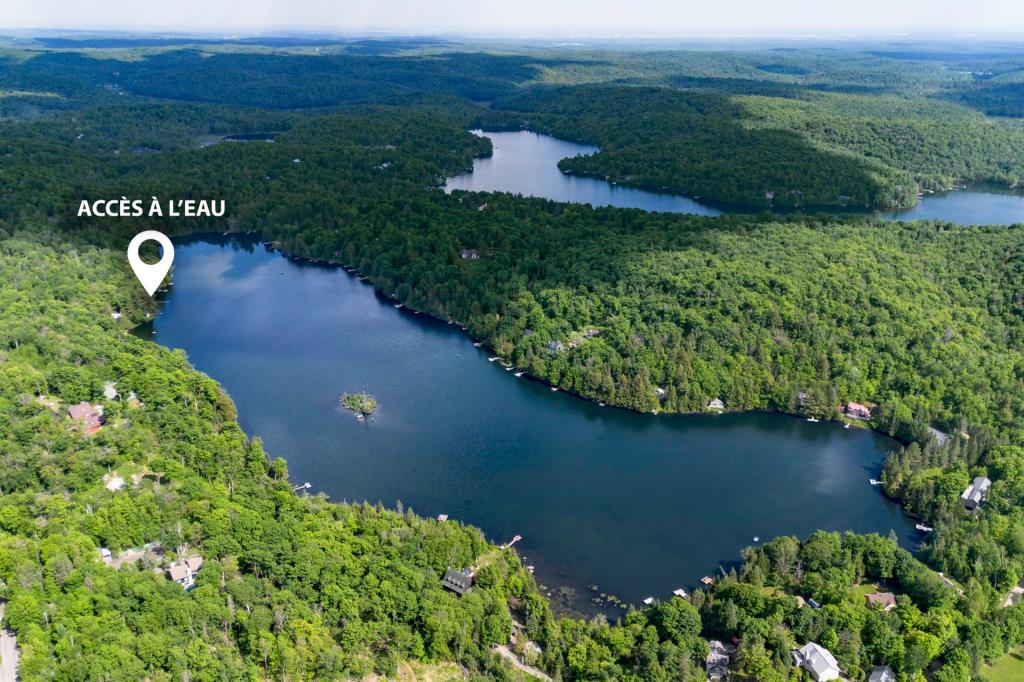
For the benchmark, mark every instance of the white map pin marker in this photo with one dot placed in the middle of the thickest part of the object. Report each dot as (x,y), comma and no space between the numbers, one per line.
(150,275)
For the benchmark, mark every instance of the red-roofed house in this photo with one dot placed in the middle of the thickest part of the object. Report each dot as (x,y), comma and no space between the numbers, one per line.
(858,411)
(91,416)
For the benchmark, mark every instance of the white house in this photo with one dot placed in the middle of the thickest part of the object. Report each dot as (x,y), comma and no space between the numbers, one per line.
(184,572)
(818,661)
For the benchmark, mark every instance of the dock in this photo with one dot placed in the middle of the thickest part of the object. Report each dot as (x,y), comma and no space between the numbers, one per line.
(511,542)
(305,486)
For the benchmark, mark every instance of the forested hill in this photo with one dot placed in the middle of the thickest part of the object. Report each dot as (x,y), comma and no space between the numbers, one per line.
(757,129)
(800,149)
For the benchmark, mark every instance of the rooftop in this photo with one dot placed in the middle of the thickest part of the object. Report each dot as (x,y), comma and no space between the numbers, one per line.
(458,580)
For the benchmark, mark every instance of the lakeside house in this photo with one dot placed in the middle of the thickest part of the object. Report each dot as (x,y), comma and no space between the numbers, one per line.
(716,665)
(556,346)
(459,581)
(882,673)
(887,600)
(90,416)
(858,411)
(976,493)
(469,254)
(716,404)
(184,572)
(818,661)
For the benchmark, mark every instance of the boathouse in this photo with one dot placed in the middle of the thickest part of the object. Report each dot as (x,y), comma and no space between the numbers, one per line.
(459,581)
(976,492)
(818,661)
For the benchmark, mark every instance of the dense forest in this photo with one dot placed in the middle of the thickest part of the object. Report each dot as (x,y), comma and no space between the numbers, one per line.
(646,311)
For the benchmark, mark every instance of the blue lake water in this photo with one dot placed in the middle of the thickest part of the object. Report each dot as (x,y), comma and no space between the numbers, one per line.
(635,503)
(527,163)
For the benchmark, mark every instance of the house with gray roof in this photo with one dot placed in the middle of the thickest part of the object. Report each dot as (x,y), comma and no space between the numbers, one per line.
(818,661)
(976,492)
(882,673)
(716,665)
(459,581)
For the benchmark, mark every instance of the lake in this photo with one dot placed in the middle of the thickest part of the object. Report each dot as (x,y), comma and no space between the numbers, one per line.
(636,503)
(526,163)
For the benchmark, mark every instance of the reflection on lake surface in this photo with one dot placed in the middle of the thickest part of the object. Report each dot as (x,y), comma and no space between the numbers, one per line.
(636,503)
(527,163)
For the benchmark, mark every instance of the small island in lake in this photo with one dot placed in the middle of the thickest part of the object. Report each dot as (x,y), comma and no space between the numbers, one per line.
(361,404)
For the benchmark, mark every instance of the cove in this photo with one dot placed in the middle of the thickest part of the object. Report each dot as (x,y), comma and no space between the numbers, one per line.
(636,503)
(526,163)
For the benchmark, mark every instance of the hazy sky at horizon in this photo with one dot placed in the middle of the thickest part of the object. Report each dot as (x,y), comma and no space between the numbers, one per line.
(525,17)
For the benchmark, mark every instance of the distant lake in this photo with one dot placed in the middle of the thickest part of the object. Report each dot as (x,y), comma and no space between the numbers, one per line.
(635,503)
(526,163)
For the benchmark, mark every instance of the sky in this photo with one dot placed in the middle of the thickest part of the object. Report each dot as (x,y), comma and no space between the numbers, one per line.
(526,18)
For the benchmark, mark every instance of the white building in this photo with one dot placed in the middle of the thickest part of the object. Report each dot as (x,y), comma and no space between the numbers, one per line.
(184,572)
(818,661)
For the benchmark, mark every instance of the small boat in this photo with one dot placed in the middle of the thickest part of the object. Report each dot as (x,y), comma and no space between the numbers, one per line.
(846,426)
(648,601)
(554,388)
(519,374)
(508,369)
(450,322)
(492,359)
(874,481)
(397,305)
(477,344)
(757,539)
(924,529)
(813,420)
(600,404)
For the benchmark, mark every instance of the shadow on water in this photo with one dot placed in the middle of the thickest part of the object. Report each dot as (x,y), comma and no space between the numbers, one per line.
(637,504)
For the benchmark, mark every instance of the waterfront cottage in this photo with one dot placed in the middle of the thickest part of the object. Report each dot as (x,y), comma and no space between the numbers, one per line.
(858,411)
(886,600)
(716,404)
(459,581)
(976,493)
(882,673)
(90,416)
(818,661)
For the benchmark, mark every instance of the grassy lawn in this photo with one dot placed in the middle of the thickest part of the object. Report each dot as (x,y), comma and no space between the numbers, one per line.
(857,592)
(1009,668)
